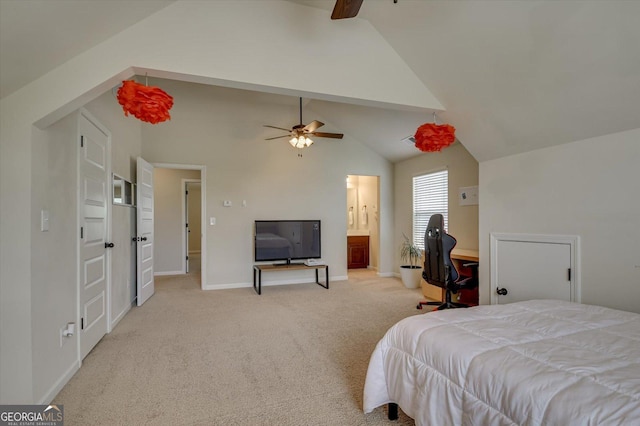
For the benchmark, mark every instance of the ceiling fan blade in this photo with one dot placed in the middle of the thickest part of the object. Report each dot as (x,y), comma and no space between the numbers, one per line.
(311,127)
(346,9)
(279,128)
(277,137)
(327,135)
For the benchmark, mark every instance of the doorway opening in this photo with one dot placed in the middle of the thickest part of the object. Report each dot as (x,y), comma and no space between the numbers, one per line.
(180,232)
(191,217)
(363,227)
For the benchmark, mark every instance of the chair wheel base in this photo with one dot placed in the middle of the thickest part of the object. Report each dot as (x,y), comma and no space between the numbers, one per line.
(424,302)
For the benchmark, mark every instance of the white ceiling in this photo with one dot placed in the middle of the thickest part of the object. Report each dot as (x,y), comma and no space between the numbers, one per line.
(513,75)
(38,35)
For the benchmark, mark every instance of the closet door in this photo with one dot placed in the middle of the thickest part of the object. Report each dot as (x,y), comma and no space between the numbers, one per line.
(94,199)
(144,198)
(527,270)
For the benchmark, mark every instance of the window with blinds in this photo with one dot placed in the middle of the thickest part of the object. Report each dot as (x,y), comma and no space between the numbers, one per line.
(430,196)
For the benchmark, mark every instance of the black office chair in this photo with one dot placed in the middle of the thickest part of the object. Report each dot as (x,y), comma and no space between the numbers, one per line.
(438,268)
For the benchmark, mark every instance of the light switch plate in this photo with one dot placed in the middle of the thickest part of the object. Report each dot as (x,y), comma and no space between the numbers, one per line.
(44,220)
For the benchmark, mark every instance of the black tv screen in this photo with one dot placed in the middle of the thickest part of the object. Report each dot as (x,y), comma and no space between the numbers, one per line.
(287,240)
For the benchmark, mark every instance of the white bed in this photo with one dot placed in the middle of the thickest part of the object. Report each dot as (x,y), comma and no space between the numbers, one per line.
(540,362)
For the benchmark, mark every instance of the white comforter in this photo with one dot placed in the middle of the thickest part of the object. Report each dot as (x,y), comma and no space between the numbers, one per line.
(542,362)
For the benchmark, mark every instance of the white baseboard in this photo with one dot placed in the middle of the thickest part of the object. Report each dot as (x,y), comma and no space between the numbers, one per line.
(272,283)
(157,274)
(388,274)
(121,315)
(264,284)
(226,286)
(59,384)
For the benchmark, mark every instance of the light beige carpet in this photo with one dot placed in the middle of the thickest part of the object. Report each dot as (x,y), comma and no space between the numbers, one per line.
(297,355)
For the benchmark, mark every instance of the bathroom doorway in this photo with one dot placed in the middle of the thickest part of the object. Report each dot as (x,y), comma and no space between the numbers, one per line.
(363,229)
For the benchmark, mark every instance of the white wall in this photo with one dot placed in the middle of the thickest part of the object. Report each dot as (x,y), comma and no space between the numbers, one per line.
(54,261)
(168,223)
(53,265)
(587,188)
(197,48)
(463,171)
(223,132)
(123,262)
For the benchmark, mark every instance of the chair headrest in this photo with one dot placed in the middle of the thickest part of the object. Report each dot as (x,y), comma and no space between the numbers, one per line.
(436,224)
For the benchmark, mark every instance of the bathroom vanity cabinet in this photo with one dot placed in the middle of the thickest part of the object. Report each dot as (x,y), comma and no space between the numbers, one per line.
(357,252)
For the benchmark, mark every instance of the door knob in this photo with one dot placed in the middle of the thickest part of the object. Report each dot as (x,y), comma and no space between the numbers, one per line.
(143,238)
(108,245)
(501,291)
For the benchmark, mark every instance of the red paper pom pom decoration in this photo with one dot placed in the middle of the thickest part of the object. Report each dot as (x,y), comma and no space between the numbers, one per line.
(146,103)
(431,137)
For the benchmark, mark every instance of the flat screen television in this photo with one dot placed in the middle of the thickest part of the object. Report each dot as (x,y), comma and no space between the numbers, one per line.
(287,240)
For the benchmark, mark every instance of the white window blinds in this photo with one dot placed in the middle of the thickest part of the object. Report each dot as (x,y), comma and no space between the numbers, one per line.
(430,196)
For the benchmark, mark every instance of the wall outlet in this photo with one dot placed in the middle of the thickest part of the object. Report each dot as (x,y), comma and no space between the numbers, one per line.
(67,332)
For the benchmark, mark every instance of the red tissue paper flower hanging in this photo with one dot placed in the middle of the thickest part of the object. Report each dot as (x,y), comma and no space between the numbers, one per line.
(432,137)
(146,103)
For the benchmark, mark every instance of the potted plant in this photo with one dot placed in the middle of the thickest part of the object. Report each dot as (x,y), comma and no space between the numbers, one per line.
(412,272)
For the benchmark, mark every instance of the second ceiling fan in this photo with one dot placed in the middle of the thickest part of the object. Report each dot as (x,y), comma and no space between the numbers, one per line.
(346,9)
(300,133)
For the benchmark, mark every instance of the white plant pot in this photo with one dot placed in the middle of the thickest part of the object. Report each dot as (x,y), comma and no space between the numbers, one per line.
(411,276)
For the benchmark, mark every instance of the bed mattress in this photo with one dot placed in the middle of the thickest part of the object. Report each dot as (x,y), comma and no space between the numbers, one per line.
(541,362)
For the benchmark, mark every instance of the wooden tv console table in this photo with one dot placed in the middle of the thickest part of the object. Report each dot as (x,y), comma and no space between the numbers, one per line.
(257,284)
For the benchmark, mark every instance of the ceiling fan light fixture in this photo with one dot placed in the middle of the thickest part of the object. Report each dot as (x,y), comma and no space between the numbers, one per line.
(294,142)
(300,142)
(300,133)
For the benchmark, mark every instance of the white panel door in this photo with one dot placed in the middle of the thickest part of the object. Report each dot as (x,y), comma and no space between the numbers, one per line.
(144,198)
(532,270)
(94,198)
(187,231)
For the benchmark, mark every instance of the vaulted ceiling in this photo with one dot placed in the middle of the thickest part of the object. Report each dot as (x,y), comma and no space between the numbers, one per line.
(513,76)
